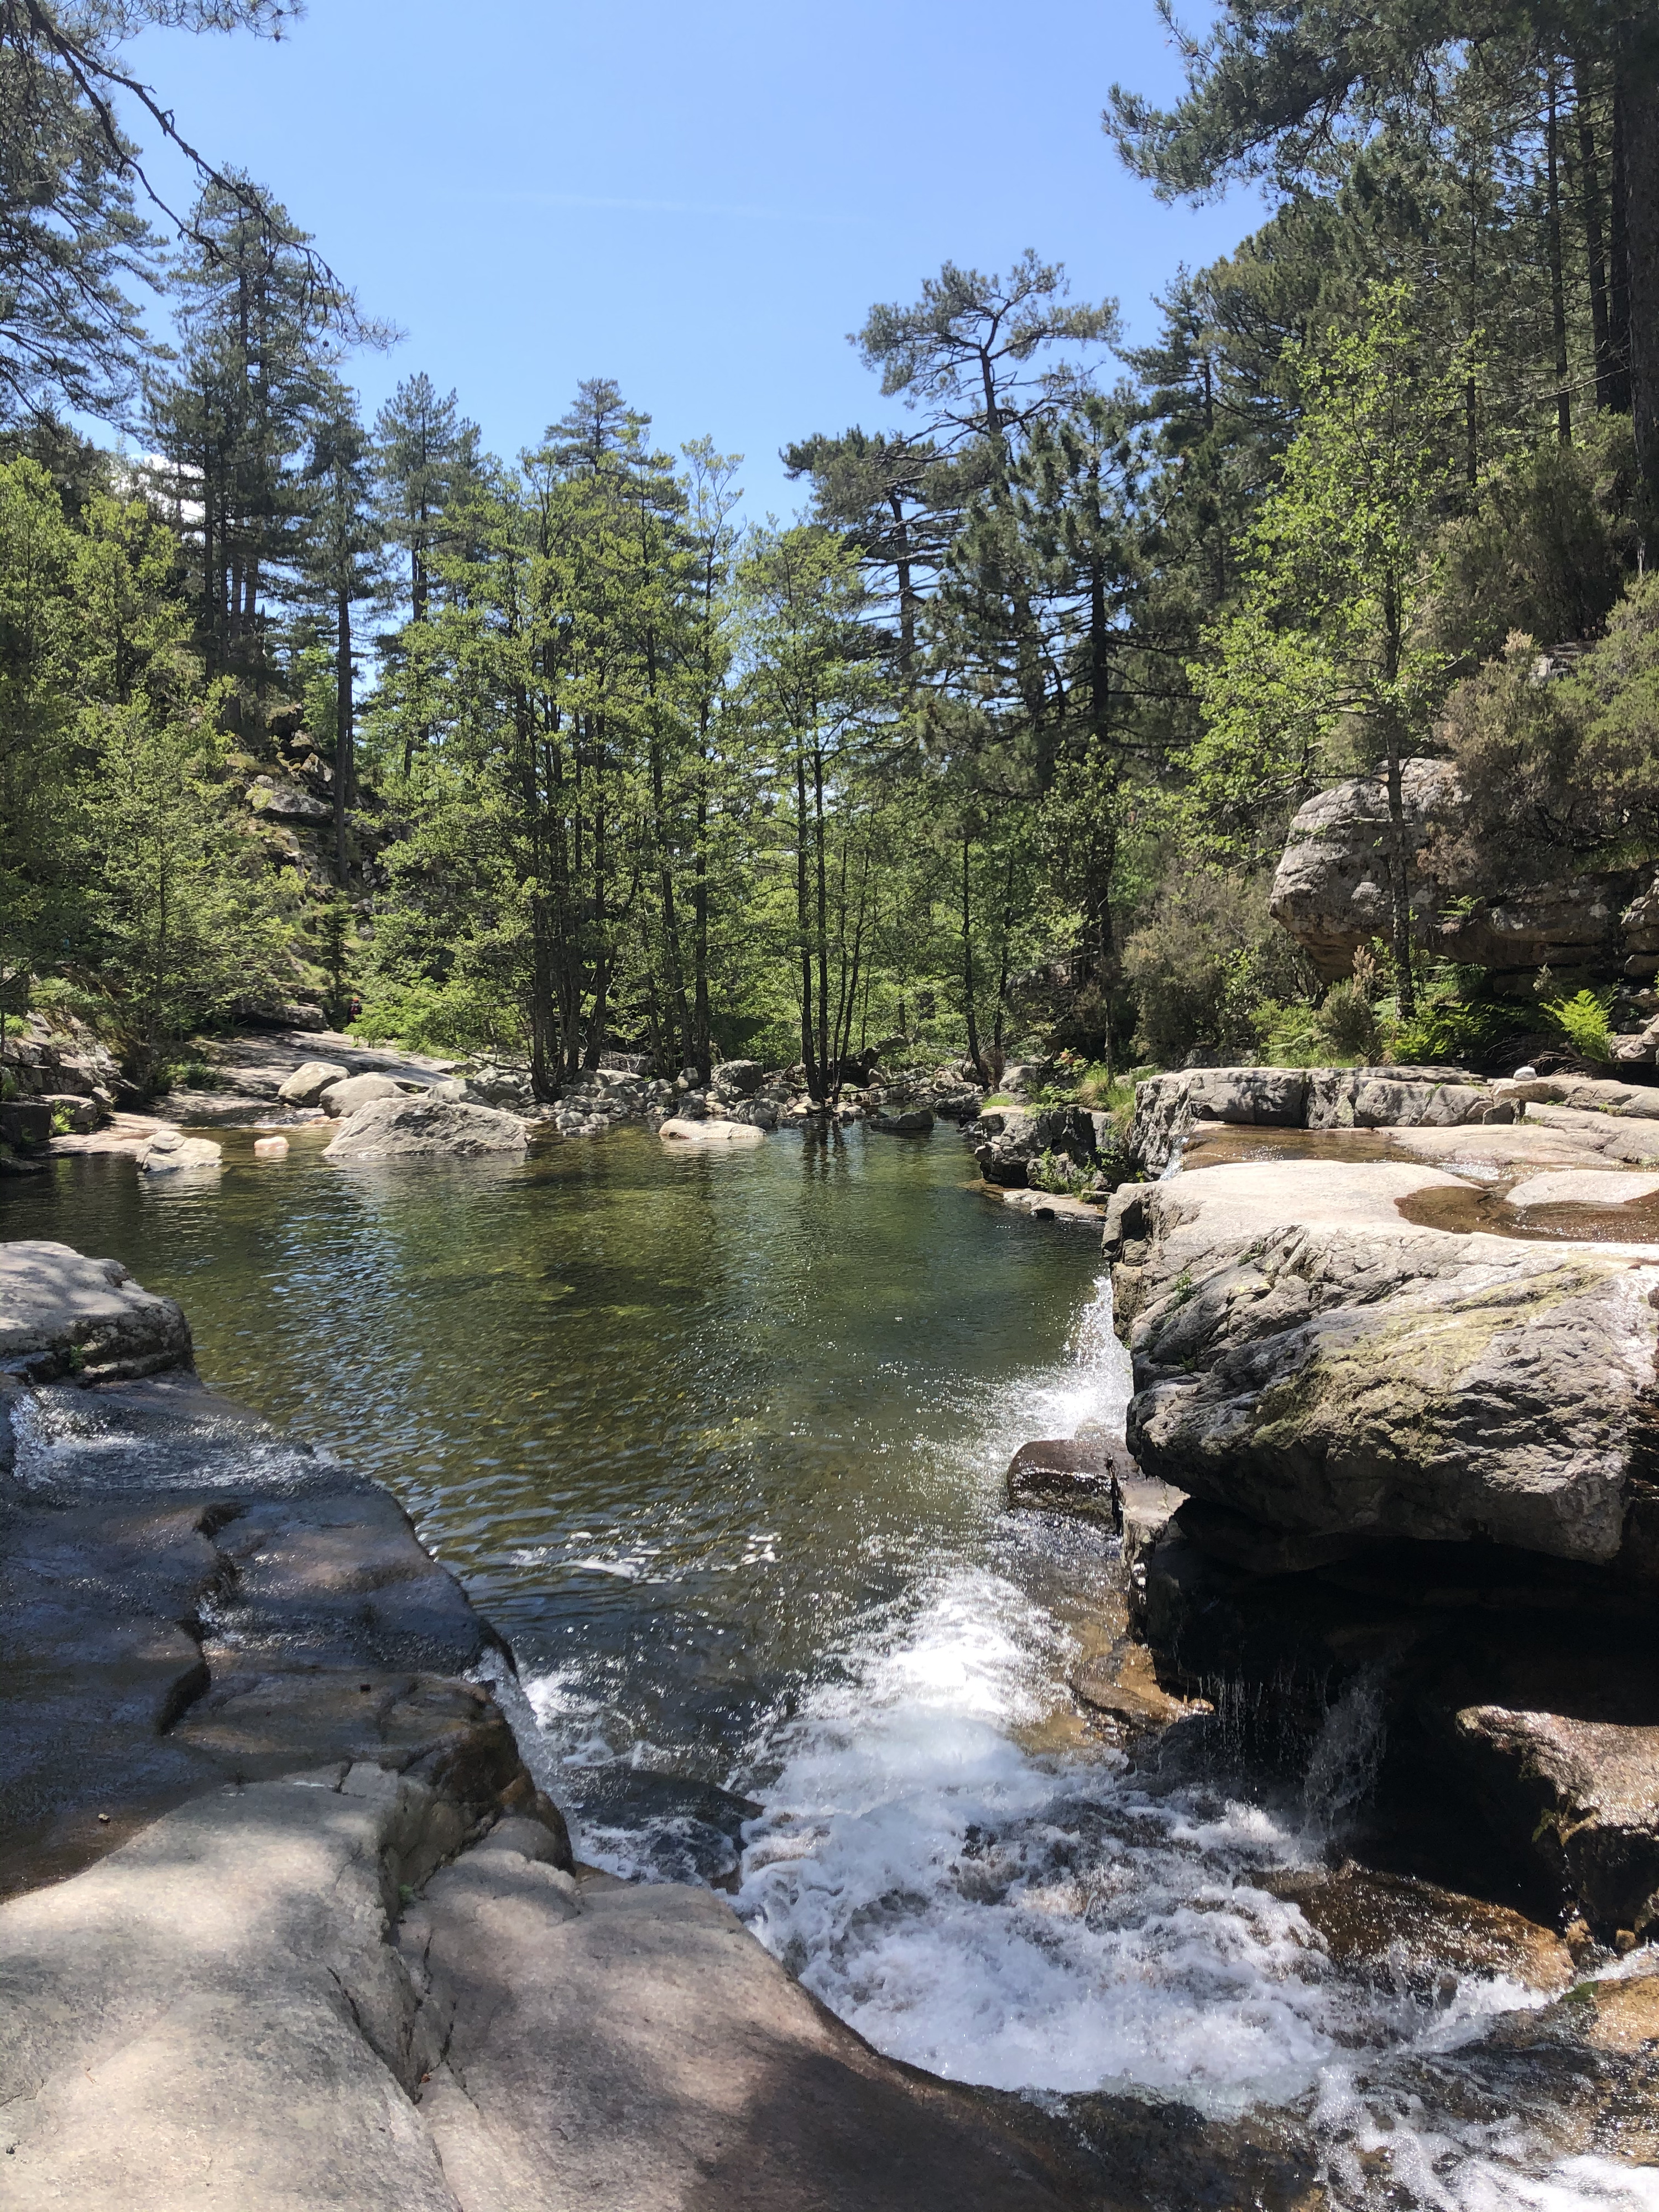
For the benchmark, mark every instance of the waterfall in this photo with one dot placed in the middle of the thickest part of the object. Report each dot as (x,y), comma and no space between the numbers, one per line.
(1347,1753)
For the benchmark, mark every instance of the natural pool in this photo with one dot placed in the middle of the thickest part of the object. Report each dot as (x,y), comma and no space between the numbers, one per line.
(719,1440)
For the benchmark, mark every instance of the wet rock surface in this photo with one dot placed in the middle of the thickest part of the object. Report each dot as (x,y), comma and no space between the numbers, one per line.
(1419,1474)
(188,1599)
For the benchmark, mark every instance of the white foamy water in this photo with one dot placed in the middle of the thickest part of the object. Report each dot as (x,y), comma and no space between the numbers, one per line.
(1038,1923)
(977,1894)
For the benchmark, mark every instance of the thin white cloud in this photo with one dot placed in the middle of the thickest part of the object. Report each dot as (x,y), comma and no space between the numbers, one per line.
(719,210)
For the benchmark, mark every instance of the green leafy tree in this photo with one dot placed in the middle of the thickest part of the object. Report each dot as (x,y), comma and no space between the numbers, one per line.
(1328,652)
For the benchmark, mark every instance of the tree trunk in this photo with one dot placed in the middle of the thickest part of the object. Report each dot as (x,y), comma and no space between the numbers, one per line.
(1399,880)
(1596,258)
(907,597)
(825,1074)
(343,736)
(803,928)
(1638,108)
(971,1011)
(1558,281)
(1619,275)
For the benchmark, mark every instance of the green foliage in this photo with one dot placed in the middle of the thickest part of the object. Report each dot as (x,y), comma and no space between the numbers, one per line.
(1325,660)
(1583,1020)
(1056,1172)
(1344,1029)
(465,1014)
(1559,773)
(1544,548)
(1203,963)
(1451,1031)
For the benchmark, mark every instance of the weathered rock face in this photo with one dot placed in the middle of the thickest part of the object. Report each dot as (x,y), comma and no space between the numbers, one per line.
(61,1313)
(186,1599)
(1331,894)
(62,1056)
(738,1079)
(1331,889)
(426,1128)
(1306,1357)
(1012,1138)
(341,1100)
(1168,1107)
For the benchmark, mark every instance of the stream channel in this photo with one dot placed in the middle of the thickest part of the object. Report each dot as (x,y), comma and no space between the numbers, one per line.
(718,1442)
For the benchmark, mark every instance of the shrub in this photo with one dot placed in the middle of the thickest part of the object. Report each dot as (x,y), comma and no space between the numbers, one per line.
(1583,1020)
(1206,962)
(1451,1031)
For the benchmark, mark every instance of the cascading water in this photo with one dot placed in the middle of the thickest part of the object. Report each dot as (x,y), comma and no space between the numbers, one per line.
(730,1480)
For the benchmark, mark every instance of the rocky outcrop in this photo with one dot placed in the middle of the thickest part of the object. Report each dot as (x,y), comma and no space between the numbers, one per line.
(1168,1108)
(342,1099)
(1421,1459)
(307,1083)
(61,1313)
(1306,1356)
(1330,893)
(426,1128)
(59,1056)
(1010,1141)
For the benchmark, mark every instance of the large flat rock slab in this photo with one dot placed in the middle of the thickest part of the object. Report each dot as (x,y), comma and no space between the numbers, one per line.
(63,1313)
(691,2072)
(250,2006)
(212,2017)
(186,1597)
(1306,1357)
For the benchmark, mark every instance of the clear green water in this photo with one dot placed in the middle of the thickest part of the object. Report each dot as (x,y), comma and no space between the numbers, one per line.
(677,1421)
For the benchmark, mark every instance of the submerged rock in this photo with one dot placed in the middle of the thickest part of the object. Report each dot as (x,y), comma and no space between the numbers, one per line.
(426,1128)
(169,1152)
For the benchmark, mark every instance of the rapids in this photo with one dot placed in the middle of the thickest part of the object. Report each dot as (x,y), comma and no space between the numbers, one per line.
(718,1442)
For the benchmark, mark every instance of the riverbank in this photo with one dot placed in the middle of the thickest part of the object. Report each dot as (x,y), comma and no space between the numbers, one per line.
(288,1920)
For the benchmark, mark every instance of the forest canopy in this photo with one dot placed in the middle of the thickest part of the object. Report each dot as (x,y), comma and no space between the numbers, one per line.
(990,750)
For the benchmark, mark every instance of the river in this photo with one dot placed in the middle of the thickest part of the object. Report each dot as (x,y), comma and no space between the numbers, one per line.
(718,1442)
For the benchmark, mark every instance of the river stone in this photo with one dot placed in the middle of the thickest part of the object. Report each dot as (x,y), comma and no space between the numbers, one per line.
(738,1079)
(338,1100)
(425,1128)
(1397,1929)
(1583,1790)
(1308,1358)
(308,1082)
(1598,1187)
(909,1121)
(1078,1474)
(169,1152)
(711,1135)
(61,1312)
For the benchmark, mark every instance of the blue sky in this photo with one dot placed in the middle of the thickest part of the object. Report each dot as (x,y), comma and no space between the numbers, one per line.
(699,201)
